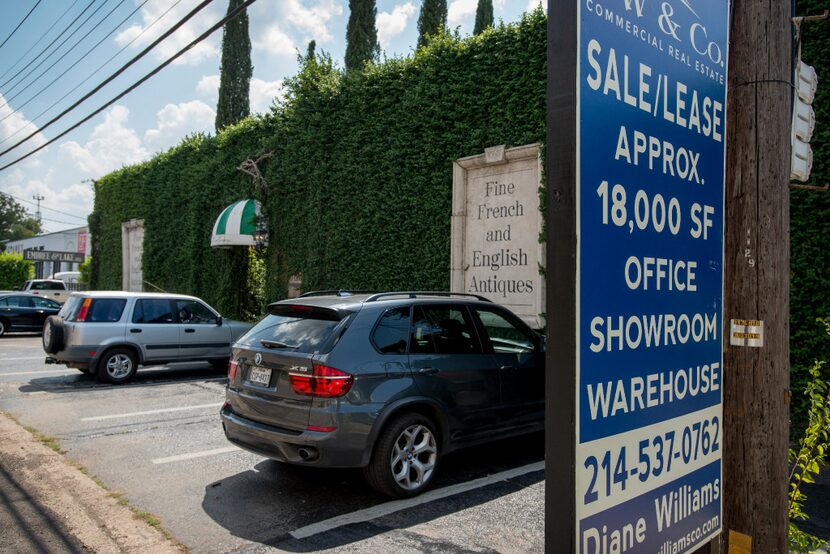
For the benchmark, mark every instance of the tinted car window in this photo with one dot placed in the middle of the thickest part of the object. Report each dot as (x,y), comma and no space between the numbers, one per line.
(153,310)
(443,330)
(18,302)
(48,285)
(301,334)
(45,303)
(391,333)
(505,335)
(106,310)
(194,312)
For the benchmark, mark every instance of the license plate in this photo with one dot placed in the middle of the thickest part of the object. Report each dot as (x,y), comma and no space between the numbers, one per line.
(260,375)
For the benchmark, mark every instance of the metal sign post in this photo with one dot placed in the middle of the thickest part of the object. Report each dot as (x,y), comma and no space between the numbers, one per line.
(636,159)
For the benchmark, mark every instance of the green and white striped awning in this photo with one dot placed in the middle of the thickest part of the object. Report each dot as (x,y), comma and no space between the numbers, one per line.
(236,224)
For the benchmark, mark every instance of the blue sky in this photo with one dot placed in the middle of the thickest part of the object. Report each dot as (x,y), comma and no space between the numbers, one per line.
(178,101)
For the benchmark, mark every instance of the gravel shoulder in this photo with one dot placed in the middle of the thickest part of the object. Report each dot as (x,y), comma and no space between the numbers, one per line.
(51,505)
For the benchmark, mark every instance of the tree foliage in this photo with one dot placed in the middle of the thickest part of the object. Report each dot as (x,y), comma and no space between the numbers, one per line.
(432,20)
(15,223)
(484,16)
(236,70)
(359,186)
(361,34)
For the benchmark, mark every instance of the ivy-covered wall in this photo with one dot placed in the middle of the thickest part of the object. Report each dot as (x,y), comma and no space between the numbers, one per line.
(810,226)
(360,180)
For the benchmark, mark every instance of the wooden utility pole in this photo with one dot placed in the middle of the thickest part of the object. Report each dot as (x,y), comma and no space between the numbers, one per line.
(756,287)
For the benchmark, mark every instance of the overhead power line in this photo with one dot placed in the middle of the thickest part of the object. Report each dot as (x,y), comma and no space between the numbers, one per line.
(4,83)
(121,70)
(19,199)
(88,77)
(71,48)
(21,23)
(44,35)
(55,51)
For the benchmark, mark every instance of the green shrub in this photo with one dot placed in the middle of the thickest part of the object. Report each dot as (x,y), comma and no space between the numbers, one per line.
(14,271)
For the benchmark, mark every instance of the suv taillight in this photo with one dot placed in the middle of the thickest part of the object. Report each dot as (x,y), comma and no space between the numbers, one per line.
(326,382)
(82,313)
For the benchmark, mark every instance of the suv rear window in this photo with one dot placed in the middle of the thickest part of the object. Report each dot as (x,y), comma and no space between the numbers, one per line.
(48,285)
(100,310)
(298,328)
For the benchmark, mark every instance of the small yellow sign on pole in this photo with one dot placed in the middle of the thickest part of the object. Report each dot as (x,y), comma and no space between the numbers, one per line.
(739,543)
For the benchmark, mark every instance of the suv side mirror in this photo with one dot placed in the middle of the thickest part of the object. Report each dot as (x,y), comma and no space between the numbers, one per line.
(219,321)
(543,343)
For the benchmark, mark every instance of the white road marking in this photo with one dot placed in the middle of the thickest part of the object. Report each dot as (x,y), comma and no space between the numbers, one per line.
(20,373)
(5,359)
(190,456)
(387,508)
(150,412)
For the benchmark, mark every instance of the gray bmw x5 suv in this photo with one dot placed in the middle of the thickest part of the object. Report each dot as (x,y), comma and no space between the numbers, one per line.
(389,382)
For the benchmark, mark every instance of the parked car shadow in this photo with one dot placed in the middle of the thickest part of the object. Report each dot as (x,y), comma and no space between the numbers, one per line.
(145,377)
(268,502)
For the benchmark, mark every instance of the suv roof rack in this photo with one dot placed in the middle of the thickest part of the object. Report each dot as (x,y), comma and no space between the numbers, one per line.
(338,292)
(415,294)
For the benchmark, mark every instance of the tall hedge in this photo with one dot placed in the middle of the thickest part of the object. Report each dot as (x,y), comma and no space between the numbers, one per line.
(359,176)
(810,227)
(14,270)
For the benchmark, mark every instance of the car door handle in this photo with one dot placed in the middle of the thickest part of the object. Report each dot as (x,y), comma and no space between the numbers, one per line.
(428,370)
(190,330)
(135,330)
(507,367)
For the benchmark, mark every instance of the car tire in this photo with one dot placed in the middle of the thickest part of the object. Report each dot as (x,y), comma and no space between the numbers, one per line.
(117,366)
(53,337)
(405,457)
(4,326)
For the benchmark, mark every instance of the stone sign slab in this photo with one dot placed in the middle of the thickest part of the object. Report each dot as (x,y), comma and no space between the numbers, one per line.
(496,225)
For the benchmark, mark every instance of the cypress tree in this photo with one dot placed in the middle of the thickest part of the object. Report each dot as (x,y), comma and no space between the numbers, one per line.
(312,50)
(235,77)
(433,19)
(361,34)
(484,16)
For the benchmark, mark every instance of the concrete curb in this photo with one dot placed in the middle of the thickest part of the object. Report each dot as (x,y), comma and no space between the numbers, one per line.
(90,514)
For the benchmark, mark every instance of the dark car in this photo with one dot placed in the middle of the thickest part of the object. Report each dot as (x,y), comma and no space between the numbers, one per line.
(25,312)
(389,382)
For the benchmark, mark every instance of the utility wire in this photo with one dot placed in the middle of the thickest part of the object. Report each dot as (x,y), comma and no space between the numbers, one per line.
(138,83)
(71,48)
(21,23)
(88,77)
(55,51)
(49,30)
(121,70)
(10,195)
(4,83)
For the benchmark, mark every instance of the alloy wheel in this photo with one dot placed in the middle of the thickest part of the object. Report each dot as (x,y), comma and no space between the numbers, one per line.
(413,457)
(119,366)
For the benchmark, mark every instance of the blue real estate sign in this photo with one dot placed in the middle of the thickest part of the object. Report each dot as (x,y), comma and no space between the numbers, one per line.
(650,207)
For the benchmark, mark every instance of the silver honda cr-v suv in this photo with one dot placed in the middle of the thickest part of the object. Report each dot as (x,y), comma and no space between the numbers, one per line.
(109,334)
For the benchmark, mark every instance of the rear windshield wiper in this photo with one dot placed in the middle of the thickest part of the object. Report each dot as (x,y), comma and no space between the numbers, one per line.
(275,344)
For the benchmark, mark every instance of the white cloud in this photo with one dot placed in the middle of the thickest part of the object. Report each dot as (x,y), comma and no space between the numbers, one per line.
(76,199)
(111,145)
(314,20)
(174,121)
(459,11)
(14,127)
(208,48)
(275,41)
(262,93)
(391,24)
(294,24)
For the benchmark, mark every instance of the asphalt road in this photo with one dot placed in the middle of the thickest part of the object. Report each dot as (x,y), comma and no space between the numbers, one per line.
(159,441)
